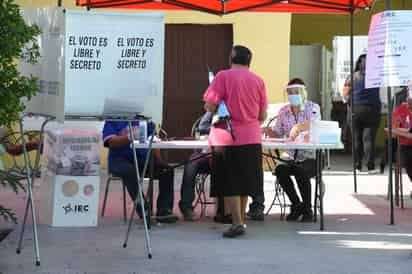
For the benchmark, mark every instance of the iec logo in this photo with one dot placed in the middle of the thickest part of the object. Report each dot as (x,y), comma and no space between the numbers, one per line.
(75,208)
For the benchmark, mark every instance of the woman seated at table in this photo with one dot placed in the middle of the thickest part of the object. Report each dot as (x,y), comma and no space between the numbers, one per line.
(293,121)
(402,119)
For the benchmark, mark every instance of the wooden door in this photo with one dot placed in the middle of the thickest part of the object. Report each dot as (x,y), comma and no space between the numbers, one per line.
(189,51)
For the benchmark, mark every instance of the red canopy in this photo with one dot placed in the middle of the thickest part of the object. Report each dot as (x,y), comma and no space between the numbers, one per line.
(221,7)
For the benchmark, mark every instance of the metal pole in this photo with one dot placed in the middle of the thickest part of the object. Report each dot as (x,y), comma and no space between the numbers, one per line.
(390,176)
(30,198)
(352,105)
(140,192)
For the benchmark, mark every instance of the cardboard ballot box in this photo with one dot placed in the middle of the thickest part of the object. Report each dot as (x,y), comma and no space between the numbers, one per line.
(70,178)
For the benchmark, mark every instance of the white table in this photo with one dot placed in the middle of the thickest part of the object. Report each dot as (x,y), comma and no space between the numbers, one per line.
(266,144)
(202,144)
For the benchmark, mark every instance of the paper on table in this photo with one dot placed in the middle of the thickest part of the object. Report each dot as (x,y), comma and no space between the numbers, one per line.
(277,140)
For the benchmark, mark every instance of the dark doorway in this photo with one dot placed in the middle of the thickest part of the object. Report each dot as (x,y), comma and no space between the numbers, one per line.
(189,51)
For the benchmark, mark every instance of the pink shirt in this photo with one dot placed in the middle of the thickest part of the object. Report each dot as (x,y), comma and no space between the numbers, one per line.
(245,96)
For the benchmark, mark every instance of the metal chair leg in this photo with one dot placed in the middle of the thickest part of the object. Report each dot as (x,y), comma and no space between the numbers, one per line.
(282,203)
(273,201)
(315,203)
(124,203)
(105,195)
(18,250)
(278,199)
(328,159)
(401,187)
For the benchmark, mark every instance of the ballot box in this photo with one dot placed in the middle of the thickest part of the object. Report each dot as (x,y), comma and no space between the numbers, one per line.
(69,191)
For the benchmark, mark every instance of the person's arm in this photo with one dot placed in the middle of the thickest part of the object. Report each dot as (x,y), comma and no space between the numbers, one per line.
(263,114)
(117,141)
(210,107)
(298,128)
(277,130)
(346,88)
(269,132)
(396,119)
(263,104)
(205,122)
(112,137)
(305,125)
(214,93)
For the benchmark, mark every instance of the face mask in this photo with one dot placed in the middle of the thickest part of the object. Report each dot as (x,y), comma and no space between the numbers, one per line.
(295,99)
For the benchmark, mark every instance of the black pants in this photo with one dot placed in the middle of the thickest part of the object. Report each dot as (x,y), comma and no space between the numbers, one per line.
(406,158)
(198,166)
(127,172)
(366,122)
(302,172)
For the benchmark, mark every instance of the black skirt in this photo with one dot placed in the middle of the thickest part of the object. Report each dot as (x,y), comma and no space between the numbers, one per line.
(237,170)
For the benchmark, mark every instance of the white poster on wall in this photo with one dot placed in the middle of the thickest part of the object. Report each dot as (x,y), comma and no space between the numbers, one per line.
(50,66)
(341,58)
(114,63)
(389,61)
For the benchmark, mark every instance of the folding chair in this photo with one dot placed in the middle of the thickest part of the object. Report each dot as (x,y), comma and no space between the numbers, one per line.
(110,178)
(201,181)
(280,196)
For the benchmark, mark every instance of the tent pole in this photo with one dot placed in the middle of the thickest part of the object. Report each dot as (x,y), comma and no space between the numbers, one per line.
(352,105)
(390,148)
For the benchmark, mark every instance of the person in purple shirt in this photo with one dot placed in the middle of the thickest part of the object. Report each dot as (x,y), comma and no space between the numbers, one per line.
(121,164)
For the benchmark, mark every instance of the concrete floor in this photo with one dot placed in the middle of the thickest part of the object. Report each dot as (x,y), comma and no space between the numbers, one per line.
(357,238)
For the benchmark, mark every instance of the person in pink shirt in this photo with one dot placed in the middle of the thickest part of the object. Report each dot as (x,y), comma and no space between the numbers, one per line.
(237,158)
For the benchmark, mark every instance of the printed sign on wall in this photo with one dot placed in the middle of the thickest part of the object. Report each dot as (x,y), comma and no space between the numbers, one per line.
(389,50)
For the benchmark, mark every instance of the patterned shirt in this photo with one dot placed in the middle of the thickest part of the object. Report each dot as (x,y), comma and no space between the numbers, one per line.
(286,120)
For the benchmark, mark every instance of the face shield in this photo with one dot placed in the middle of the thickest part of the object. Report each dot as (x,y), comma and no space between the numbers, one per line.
(297,95)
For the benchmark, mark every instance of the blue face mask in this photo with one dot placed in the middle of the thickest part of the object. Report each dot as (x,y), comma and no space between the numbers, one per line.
(295,99)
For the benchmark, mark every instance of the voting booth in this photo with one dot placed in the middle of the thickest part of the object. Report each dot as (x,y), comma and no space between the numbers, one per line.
(92,65)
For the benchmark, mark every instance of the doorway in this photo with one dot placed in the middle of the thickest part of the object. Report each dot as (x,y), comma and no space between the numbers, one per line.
(190,49)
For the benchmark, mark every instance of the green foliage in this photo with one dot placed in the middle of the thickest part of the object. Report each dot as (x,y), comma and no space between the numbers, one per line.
(9,180)
(17,40)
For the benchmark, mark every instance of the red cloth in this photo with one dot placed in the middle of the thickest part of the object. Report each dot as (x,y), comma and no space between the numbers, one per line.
(399,120)
(215,6)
